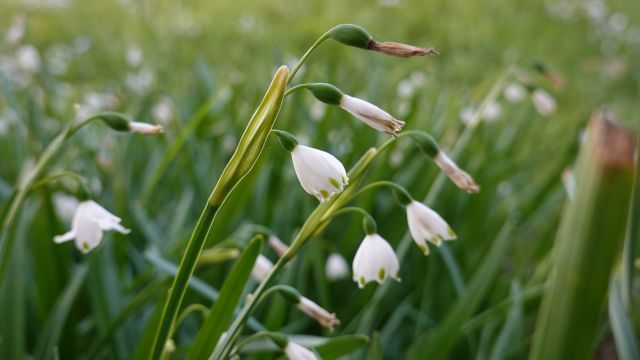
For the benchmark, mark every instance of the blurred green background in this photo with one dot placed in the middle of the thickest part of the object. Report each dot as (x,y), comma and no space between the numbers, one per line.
(200,69)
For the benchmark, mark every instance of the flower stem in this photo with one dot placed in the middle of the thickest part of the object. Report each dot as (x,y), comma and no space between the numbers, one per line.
(306,55)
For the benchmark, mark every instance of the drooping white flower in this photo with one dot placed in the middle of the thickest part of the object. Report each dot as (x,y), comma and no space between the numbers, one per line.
(296,351)
(65,206)
(544,103)
(514,92)
(261,268)
(145,128)
(375,260)
(89,222)
(319,172)
(371,115)
(425,224)
(315,311)
(336,267)
(457,175)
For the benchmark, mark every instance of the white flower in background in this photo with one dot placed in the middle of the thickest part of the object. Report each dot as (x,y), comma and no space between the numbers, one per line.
(82,44)
(319,172)
(317,110)
(405,89)
(89,222)
(298,352)
(569,182)
(418,78)
(162,111)
(457,175)
(140,82)
(326,319)
(467,113)
(145,128)
(16,32)
(134,55)
(57,58)
(261,268)
(544,103)
(371,115)
(277,245)
(65,206)
(514,92)
(28,58)
(336,267)
(492,111)
(375,260)
(426,225)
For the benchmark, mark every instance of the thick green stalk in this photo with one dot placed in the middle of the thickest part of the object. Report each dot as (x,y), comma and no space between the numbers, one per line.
(245,156)
(588,242)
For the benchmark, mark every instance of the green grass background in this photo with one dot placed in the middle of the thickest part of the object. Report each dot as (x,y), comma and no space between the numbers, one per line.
(226,52)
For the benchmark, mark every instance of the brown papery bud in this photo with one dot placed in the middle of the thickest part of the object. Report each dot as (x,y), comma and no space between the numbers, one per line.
(400,50)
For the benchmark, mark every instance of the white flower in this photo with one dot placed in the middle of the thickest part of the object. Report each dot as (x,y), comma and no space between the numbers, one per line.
(298,352)
(371,115)
(319,172)
(492,111)
(163,110)
(89,221)
(514,92)
(467,114)
(336,267)
(261,268)
(65,206)
(313,310)
(28,58)
(145,128)
(426,224)
(544,103)
(375,261)
(457,175)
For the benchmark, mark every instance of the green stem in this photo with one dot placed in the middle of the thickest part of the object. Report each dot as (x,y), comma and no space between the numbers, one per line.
(296,88)
(381,183)
(306,55)
(57,176)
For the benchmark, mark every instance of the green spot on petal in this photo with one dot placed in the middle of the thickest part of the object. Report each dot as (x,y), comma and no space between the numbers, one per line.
(362,281)
(451,233)
(324,193)
(335,183)
(381,274)
(85,246)
(424,248)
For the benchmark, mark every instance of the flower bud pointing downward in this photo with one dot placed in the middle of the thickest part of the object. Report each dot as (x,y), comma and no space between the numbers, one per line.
(120,122)
(326,319)
(296,351)
(457,175)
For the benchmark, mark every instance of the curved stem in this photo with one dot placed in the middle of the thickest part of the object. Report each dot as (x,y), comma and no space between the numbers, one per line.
(57,176)
(353,209)
(296,88)
(381,183)
(306,55)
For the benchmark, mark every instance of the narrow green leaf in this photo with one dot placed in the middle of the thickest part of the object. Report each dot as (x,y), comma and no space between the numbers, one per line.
(223,309)
(375,348)
(50,335)
(341,346)
(589,239)
(623,332)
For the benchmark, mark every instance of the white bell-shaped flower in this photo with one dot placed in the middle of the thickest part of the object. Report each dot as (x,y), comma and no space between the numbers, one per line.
(544,103)
(336,267)
(261,268)
(514,92)
(371,115)
(89,222)
(375,260)
(319,172)
(426,225)
(296,351)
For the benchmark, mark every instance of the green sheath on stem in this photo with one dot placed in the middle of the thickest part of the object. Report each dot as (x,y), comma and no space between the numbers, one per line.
(589,240)
(246,154)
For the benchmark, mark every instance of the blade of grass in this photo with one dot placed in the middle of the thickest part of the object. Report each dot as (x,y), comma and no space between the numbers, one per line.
(623,332)
(589,239)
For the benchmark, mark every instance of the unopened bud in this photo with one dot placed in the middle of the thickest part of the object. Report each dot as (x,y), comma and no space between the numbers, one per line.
(400,50)
(277,245)
(120,122)
(356,36)
(326,93)
(287,140)
(426,143)
(457,175)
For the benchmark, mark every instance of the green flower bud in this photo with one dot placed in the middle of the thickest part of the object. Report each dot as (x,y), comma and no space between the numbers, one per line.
(287,140)
(402,195)
(326,93)
(114,120)
(369,225)
(426,143)
(352,35)
(291,294)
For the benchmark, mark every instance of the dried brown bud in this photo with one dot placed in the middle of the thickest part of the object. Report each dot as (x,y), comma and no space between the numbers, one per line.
(400,50)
